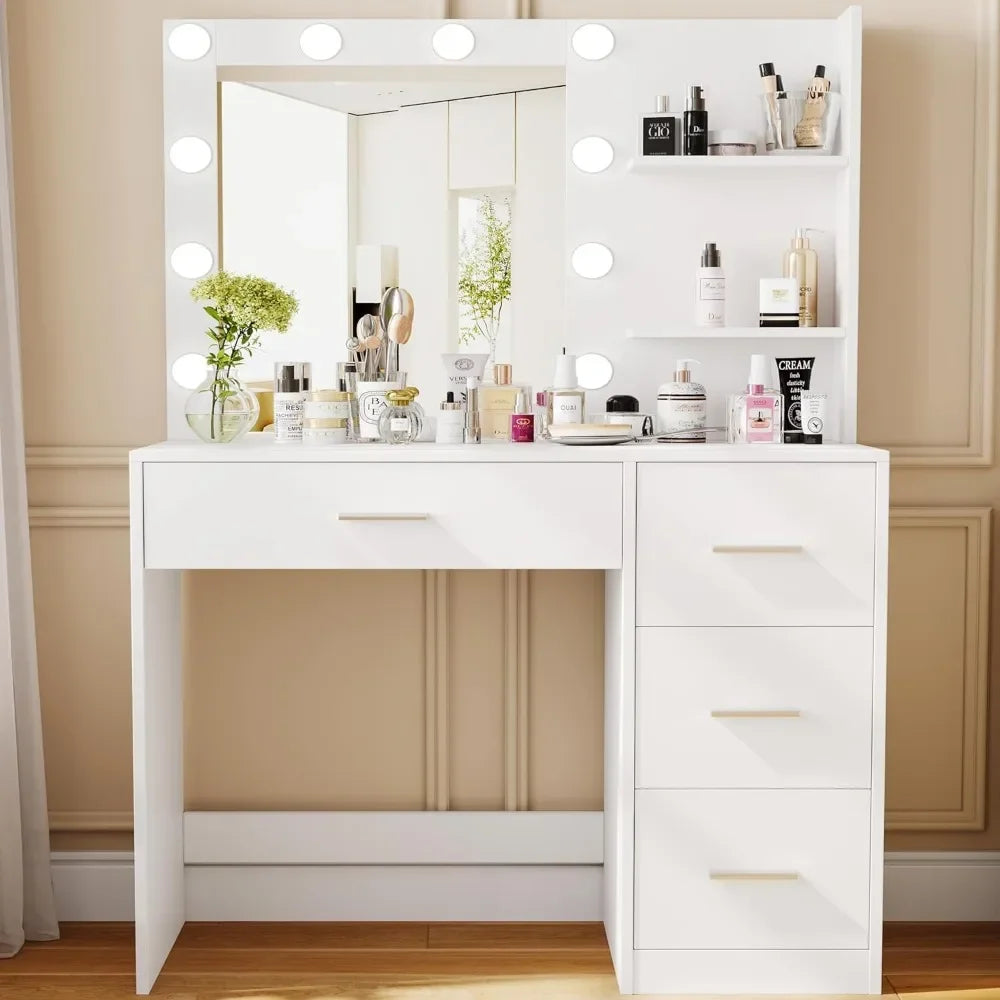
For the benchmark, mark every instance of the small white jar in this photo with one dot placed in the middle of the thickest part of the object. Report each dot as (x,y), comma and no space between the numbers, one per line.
(450,422)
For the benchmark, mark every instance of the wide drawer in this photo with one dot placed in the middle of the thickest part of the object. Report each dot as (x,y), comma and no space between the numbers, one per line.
(756,544)
(752,869)
(382,515)
(754,707)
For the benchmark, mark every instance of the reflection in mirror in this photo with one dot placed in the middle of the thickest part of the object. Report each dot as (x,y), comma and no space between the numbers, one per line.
(448,181)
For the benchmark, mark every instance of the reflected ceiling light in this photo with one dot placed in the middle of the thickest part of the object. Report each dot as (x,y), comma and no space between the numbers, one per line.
(191,260)
(189,41)
(453,41)
(189,370)
(321,41)
(593,371)
(190,154)
(593,41)
(592,260)
(592,154)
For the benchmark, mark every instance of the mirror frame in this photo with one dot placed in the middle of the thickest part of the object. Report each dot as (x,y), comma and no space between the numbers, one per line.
(270,49)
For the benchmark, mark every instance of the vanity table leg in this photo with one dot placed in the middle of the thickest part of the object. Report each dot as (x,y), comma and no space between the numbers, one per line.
(158,768)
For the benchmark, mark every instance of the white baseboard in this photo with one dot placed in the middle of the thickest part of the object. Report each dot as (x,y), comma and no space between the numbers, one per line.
(92,885)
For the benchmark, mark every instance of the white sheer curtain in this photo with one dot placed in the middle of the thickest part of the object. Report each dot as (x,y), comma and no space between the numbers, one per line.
(27,909)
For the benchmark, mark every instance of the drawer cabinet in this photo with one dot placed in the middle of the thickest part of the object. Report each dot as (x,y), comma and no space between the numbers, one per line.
(754,707)
(755,544)
(383,515)
(751,869)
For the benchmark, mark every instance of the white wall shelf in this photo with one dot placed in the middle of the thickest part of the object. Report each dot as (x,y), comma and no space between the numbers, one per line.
(740,333)
(698,164)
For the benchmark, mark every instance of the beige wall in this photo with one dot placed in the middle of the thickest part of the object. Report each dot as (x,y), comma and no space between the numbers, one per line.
(480,697)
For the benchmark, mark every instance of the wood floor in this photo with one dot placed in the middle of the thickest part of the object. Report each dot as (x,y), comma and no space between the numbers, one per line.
(430,962)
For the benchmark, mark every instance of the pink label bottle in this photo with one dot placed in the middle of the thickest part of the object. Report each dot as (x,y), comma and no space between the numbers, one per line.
(522,421)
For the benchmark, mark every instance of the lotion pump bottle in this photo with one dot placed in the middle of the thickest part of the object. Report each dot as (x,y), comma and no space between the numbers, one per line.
(802,263)
(681,407)
(711,302)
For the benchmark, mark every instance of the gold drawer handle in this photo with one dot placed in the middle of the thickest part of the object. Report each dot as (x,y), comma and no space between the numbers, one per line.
(758,713)
(754,876)
(742,550)
(383,517)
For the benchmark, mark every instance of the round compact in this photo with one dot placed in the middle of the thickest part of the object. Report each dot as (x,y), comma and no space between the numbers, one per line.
(732,142)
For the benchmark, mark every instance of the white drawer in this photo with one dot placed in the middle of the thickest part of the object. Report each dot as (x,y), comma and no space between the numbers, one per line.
(382,515)
(752,869)
(756,544)
(754,707)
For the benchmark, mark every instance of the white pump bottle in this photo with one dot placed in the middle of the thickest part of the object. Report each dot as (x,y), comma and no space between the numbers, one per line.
(681,406)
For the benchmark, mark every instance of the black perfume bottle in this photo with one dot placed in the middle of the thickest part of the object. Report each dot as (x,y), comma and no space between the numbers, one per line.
(695,124)
(659,131)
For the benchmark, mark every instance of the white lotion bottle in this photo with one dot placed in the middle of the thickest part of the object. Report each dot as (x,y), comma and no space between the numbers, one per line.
(287,404)
(711,303)
(681,406)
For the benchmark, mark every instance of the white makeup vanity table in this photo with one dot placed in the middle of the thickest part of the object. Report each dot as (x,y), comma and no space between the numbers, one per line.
(741,838)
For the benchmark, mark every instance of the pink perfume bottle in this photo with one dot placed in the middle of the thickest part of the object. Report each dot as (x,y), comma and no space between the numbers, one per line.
(522,421)
(756,416)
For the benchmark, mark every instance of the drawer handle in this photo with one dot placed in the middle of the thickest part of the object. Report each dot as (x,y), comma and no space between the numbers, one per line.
(743,550)
(758,713)
(383,517)
(754,876)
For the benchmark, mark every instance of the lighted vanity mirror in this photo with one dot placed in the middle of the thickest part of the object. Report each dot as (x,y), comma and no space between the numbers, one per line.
(446,180)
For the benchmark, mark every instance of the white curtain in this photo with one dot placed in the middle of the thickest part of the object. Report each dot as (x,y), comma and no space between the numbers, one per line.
(27,909)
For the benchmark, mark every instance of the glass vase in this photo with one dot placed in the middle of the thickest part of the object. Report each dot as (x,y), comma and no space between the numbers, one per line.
(220,421)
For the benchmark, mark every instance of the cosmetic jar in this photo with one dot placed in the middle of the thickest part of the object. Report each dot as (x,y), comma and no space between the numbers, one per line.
(327,403)
(324,430)
(732,142)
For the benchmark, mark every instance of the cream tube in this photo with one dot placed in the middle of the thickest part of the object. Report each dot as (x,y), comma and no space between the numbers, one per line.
(813,416)
(459,367)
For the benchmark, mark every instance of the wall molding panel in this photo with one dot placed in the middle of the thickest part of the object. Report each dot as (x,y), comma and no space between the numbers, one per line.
(90,822)
(970,811)
(979,450)
(78,517)
(77,456)
(516,689)
(436,688)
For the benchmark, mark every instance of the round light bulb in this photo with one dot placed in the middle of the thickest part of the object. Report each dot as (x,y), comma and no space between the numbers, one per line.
(191,260)
(592,260)
(190,154)
(593,41)
(453,41)
(189,370)
(189,42)
(593,371)
(593,154)
(321,41)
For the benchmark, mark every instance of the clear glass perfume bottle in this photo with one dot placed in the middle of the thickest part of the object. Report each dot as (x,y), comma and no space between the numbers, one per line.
(400,421)
(756,415)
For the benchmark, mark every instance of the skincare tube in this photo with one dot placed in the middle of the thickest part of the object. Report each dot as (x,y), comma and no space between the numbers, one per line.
(769,83)
(459,367)
(813,417)
(794,375)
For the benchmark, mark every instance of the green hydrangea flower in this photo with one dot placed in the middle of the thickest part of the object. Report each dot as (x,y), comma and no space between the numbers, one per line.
(247,300)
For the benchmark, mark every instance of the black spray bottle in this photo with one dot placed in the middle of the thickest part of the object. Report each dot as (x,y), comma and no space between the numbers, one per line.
(695,123)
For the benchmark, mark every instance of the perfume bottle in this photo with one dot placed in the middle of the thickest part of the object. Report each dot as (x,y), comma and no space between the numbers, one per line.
(565,400)
(496,404)
(522,421)
(658,135)
(400,421)
(756,416)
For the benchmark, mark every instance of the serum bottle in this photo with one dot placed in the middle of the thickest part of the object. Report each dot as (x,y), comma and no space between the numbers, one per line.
(755,416)
(287,403)
(659,131)
(695,123)
(711,303)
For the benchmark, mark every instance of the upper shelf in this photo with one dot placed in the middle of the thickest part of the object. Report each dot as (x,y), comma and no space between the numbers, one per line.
(697,164)
(741,333)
